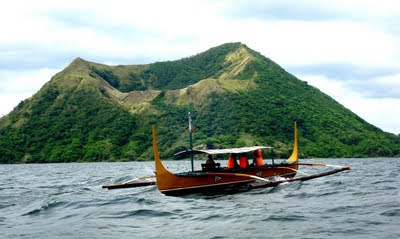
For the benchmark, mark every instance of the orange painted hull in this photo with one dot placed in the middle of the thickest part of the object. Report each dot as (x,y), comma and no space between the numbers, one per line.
(193,182)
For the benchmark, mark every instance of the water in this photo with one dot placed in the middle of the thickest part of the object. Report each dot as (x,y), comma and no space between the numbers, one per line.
(67,201)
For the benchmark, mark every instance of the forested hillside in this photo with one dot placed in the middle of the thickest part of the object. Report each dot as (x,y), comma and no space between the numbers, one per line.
(237,97)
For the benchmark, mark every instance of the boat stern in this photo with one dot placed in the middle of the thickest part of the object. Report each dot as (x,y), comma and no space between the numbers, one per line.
(294,158)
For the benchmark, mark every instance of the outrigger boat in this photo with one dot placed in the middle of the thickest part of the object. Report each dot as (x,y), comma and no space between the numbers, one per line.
(218,178)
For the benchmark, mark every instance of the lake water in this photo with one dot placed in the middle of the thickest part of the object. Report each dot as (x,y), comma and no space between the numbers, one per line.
(67,201)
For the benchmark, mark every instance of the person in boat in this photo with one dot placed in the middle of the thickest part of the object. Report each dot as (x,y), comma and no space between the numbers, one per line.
(232,163)
(257,158)
(243,161)
(210,161)
(210,164)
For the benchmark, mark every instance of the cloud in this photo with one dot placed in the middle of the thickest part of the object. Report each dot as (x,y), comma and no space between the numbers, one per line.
(49,34)
(368,82)
(17,86)
(384,13)
(9,100)
(305,43)
(359,32)
(98,29)
(342,71)
(381,112)
(284,10)
(26,80)
(386,86)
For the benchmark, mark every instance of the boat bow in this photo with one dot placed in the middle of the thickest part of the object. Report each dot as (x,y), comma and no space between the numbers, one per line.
(162,174)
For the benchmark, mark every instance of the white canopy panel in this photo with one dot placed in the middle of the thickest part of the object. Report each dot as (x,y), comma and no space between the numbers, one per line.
(225,151)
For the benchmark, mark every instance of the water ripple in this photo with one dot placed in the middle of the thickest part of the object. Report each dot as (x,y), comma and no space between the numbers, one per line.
(67,201)
(140,213)
(391,213)
(44,208)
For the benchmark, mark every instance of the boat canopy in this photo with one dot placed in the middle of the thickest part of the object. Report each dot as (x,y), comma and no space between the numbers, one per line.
(224,151)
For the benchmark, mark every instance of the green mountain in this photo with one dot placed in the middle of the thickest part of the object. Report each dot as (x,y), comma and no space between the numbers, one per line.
(237,97)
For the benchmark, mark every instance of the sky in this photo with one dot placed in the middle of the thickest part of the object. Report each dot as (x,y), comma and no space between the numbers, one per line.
(349,49)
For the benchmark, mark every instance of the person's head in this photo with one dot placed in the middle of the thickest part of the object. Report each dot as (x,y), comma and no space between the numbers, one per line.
(210,156)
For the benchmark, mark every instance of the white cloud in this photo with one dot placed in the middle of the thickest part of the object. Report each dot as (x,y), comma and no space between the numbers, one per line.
(100,28)
(333,88)
(381,112)
(303,42)
(17,86)
(9,100)
(25,81)
(389,84)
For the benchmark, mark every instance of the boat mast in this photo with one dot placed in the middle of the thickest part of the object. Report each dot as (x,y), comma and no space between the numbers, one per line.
(190,140)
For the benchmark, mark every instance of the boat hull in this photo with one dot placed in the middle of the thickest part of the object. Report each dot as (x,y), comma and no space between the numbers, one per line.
(218,181)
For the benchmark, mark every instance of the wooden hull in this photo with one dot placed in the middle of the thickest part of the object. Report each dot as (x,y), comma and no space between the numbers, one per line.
(193,182)
(218,181)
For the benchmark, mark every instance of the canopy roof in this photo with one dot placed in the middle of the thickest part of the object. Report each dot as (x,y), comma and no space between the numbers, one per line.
(224,151)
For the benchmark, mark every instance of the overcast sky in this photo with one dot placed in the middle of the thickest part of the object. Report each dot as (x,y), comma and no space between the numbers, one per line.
(348,49)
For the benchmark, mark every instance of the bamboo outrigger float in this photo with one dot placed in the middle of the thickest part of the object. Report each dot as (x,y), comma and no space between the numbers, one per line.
(222,178)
